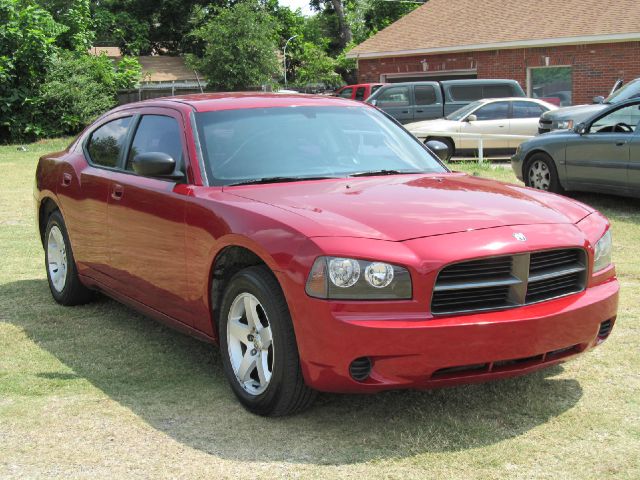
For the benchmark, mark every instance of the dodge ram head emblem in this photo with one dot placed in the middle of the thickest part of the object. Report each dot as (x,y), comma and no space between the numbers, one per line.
(520,237)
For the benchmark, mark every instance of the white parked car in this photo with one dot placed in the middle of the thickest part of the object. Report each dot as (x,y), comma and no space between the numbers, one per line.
(502,116)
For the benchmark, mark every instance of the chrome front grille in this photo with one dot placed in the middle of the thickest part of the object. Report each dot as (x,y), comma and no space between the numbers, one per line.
(509,281)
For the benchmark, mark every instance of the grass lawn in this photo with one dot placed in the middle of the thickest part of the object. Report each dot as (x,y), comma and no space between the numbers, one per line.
(100,391)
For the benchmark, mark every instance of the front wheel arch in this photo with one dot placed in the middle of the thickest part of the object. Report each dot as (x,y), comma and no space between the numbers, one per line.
(556,185)
(447,141)
(227,262)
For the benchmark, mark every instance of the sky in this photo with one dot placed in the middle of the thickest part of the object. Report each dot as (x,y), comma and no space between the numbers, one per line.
(294,4)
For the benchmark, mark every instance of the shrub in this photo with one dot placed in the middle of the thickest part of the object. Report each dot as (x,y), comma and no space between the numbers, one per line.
(80,87)
(27,45)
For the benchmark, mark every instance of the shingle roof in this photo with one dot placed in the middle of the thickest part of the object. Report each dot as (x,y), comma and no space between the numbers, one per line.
(164,68)
(459,25)
(155,68)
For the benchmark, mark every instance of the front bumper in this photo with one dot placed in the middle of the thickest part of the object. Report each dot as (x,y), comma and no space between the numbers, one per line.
(517,164)
(410,350)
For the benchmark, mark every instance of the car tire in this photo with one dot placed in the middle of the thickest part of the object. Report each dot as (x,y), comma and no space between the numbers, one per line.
(62,275)
(262,367)
(540,172)
(448,142)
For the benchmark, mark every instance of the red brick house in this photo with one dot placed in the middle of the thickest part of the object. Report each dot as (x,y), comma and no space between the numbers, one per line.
(570,49)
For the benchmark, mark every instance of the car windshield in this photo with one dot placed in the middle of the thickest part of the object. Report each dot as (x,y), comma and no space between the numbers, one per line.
(630,90)
(463,112)
(257,145)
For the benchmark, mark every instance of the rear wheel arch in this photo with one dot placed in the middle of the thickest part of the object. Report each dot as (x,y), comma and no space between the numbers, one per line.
(47,207)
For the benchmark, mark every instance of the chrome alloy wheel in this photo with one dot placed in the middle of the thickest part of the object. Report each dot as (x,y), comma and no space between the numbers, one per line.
(250,344)
(57,259)
(539,175)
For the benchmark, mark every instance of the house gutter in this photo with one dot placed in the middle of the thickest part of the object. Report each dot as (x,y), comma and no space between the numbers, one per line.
(545,42)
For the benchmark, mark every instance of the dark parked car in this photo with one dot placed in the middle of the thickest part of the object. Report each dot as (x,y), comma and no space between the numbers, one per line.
(601,154)
(569,117)
(415,101)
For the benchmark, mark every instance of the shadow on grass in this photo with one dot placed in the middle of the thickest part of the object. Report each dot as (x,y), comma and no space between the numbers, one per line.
(176,385)
(610,205)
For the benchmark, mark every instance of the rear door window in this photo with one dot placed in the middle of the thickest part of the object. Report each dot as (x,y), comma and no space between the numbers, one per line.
(394,97)
(360,93)
(425,95)
(156,133)
(106,143)
(527,110)
(493,111)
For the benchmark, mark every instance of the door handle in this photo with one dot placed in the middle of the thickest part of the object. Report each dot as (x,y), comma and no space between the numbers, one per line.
(419,111)
(405,111)
(66,179)
(117,191)
(621,143)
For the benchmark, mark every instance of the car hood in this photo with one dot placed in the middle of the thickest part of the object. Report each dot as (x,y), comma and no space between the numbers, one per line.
(576,113)
(404,207)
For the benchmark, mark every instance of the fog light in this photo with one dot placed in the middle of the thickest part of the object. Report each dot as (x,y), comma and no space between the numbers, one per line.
(360,369)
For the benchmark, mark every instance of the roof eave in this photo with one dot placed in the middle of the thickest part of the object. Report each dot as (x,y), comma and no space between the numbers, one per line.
(546,42)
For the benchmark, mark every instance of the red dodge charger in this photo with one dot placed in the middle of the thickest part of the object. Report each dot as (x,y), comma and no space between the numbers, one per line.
(321,246)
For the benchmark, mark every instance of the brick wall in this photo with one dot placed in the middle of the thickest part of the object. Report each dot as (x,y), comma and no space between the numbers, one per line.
(595,67)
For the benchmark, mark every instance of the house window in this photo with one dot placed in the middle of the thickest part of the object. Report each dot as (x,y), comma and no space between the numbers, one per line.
(553,84)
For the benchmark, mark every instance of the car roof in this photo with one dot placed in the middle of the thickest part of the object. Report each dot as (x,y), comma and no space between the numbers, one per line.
(209,102)
(362,84)
(470,81)
(478,81)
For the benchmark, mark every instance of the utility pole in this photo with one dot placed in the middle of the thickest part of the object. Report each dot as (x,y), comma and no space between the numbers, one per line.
(284,59)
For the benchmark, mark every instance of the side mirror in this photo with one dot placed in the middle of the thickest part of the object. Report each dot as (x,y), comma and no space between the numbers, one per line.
(472,118)
(598,99)
(374,102)
(581,128)
(154,164)
(439,148)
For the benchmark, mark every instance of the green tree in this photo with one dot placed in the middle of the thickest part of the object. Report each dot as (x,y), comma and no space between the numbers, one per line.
(315,66)
(238,46)
(75,15)
(28,37)
(142,27)
(367,17)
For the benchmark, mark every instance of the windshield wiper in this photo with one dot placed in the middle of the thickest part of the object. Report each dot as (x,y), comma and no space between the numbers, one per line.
(374,173)
(256,181)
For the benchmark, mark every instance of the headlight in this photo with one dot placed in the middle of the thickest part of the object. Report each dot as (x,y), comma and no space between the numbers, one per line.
(343,278)
(565,124)
(602,256)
